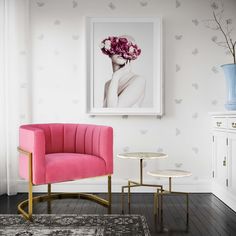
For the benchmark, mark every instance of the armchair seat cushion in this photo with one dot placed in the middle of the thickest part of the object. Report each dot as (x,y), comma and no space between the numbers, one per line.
(71,166)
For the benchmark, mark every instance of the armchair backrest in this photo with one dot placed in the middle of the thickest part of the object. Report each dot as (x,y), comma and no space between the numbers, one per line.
(71,138)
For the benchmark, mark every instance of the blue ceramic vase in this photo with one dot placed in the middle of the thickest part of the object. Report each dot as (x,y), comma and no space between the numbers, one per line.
(230,76)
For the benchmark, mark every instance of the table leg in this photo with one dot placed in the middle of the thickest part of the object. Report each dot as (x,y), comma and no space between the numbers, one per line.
(187,201)
(141,171)
(129,195)
(128,192)
(155,204)
(122,200)
(170,184)
(160,202)
(161,207)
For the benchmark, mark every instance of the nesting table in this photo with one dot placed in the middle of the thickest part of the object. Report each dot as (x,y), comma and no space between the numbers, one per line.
(132,184)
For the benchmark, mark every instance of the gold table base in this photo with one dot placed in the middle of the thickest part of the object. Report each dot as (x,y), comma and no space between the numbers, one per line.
(161,193)
(134,184)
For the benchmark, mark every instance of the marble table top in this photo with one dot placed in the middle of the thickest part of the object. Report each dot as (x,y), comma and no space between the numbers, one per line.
(142,155)
(169,173)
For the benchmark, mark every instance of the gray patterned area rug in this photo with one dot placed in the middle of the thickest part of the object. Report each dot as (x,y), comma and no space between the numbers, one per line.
(67,225)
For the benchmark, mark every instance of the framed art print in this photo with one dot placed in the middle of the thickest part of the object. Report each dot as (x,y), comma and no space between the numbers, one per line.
(124,60)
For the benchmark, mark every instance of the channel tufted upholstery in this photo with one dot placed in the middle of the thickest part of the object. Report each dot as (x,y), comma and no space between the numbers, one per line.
(63,152)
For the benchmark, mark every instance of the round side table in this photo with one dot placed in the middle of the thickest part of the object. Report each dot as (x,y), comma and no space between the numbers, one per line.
(139,156)
(169,174)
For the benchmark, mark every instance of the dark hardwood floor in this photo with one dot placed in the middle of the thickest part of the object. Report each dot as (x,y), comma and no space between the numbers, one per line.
(208,215)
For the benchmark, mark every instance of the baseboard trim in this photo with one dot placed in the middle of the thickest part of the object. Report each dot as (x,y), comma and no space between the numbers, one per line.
(100,185)
(224,195)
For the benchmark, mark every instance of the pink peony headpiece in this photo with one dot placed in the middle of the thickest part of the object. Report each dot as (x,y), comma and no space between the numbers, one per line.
(120,46)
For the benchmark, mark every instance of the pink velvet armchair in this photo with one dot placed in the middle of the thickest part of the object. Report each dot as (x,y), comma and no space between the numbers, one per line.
(53,153)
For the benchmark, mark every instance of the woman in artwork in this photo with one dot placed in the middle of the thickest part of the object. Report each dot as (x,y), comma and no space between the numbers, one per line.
(125,88)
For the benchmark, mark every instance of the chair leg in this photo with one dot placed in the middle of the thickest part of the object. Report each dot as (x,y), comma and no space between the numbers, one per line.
(49,190)
(109,194)
(30,194)
(30,201)
(49,198)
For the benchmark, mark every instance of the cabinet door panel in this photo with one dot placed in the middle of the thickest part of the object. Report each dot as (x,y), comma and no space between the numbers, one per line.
(220,157)
(232,161)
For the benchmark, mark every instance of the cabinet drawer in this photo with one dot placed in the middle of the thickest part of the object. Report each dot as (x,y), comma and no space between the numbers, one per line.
(220,123)
(232,123)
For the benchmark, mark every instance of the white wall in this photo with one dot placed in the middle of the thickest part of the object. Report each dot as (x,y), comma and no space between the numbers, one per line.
(194,83)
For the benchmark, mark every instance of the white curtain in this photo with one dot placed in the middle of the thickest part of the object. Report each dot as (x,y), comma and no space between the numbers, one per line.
(14,86)
(3,188)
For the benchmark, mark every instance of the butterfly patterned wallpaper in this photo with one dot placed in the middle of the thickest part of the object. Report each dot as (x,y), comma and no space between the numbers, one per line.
(193,81)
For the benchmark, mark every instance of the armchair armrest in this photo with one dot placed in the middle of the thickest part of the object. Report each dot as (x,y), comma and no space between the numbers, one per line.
(32,140)
(106,147)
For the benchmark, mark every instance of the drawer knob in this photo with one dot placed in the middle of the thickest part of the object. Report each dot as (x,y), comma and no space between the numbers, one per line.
(219,123)
(233,124)
(224,161)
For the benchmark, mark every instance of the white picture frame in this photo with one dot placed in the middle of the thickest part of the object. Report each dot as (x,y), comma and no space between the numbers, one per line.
(141,93)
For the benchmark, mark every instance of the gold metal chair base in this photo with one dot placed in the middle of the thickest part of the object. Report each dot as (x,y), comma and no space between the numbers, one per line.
(49,198)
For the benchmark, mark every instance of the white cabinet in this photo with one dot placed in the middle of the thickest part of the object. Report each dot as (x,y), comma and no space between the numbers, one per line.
(220,158)
(224,157)
(232,162)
